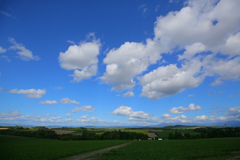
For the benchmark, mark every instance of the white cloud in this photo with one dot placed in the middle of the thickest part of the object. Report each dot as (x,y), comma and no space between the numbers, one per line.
(192,50)
(179,119)
(181,109)
(84,108)
(82,59)
(48,102)
(69,115)
(123,111)
(30,93)
(23,53)
(85,73)
(165,116)
(202,118)
(128,94)
(68,101)
(224,69)
(232,46)
(169,80)
(134,116)
(128,61)
(234,111)
(2,50)
(201,28)
(194,23)
(193,28)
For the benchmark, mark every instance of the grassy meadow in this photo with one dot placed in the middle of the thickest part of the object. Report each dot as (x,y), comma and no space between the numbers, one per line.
(22,148)
(218,149)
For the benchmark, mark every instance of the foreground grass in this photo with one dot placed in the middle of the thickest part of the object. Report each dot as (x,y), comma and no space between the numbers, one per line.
(21,148)
(218,149)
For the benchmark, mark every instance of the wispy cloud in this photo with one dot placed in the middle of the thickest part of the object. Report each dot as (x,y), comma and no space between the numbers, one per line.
(48,102)
(143,8)
(23,53)
(2,50)
(8,14)
(68,101)
(6,58)
(84,108)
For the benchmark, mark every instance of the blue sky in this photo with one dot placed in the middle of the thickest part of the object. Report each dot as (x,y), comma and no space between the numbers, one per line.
(119,63)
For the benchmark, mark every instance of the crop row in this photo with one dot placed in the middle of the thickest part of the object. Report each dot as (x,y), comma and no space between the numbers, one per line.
(219,148)
(43,149)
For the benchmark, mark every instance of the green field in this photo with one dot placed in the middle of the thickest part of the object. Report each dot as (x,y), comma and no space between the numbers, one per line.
(165,133)
(21,148)
(218,149)
(137,131)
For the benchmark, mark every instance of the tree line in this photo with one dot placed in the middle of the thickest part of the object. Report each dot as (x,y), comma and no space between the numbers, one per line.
(208,132)
(43,132)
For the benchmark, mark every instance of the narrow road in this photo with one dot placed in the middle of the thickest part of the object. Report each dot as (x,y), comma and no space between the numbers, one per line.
(83,156)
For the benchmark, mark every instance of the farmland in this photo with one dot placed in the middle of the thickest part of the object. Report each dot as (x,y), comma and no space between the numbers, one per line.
(165,133)
(218,148)
(182,143)
(42,149)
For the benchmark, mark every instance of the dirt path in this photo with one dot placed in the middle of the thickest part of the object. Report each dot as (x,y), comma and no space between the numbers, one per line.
(93,155)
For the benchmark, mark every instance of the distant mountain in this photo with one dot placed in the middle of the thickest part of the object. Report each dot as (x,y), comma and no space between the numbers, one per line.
(162,125)
(178,126)
(232,123)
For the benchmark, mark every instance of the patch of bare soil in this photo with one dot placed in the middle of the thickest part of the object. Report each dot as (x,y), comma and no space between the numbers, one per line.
(152,135)
(62,131)
(3,128)
(78,134)
(96,154)
(152,130)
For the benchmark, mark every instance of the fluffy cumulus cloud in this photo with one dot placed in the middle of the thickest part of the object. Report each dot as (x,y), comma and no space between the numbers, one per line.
(128,94)
(84,108)
(168,80)
(68,101)
(128,61)
(191,50)
(181,109)
(170,119)
(134,116)
(202,29)
(82,59)
(204,118)
(232,45)
(209,22)
(48,102)
(30,93)
(23,53)
(228,69)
